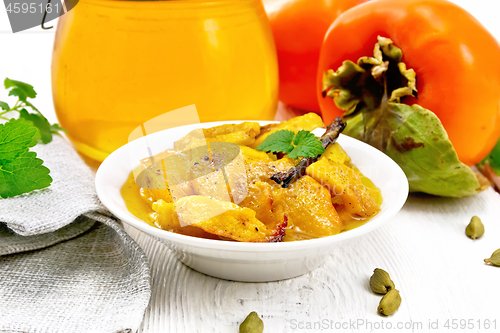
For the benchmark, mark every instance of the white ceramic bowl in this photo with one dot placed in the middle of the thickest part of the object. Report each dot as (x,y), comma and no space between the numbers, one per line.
(252,262)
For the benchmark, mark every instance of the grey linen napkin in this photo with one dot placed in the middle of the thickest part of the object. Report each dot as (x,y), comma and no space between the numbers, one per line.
(66,265)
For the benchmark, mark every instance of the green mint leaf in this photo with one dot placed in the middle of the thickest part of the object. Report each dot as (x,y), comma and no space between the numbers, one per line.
(303,144)
(16,136)
(20,170)
(306,145)
(55,129)
(24,91)
(41,123)
(31,105)
(20,89)
(4,106)
(22,175)
(278,142)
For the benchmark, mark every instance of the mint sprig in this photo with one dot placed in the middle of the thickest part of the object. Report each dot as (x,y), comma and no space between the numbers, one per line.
(23,91)
(20,170)
(295,145)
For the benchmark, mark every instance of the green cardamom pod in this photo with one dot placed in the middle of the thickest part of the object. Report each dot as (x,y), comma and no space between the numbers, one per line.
(475,229)
(381,282)
(252,324)
(494,259)
(390,302)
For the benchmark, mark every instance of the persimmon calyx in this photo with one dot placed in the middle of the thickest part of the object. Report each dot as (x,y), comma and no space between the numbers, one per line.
(362,86)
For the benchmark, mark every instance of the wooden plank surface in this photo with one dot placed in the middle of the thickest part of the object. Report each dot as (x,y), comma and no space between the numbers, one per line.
(439,271)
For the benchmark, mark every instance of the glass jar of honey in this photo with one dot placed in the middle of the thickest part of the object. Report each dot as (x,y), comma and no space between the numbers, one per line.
(117,64)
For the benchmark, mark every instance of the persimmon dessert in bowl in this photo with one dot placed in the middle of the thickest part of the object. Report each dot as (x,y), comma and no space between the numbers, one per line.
(252,201)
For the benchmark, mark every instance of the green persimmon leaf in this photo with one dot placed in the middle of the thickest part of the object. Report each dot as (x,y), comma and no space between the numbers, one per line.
(20,89)
(41,123)
(493,158)
(22,175)
(4,106)
(16,136)
(420,145)
(355,127)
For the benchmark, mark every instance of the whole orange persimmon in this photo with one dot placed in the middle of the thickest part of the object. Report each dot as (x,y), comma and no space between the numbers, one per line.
(456,60)
(299,27)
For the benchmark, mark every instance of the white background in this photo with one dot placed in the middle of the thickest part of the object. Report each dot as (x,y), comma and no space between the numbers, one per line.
(26,56)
